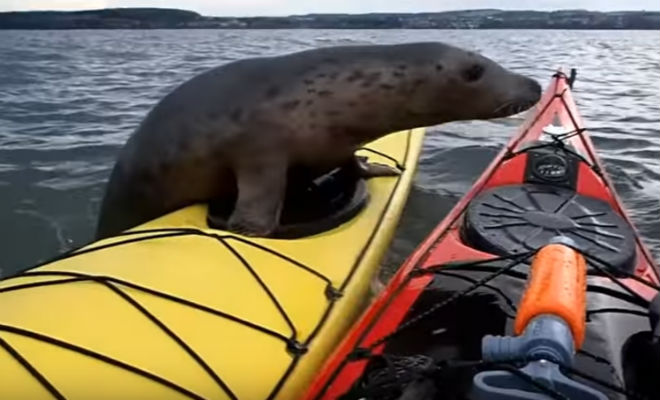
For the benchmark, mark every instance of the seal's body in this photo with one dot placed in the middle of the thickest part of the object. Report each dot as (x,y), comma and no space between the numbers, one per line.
(242,126)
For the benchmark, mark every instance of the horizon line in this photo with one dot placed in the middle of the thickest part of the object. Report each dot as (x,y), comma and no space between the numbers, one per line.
(336,13)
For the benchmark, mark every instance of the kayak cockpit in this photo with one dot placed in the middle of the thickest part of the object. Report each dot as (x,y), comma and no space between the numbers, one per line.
(313,203)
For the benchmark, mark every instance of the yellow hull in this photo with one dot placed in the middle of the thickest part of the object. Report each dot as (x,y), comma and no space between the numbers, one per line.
(184,311)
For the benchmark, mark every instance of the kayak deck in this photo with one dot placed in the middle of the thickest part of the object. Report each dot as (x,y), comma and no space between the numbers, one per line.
(173,309)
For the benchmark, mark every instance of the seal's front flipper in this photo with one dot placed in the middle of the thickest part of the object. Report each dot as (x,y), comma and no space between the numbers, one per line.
(261,189)
(368,170)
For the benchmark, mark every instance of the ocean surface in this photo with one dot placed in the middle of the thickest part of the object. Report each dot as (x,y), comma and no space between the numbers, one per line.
(70,99)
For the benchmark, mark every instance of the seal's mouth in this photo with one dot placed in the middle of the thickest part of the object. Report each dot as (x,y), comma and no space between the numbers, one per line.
(513,107)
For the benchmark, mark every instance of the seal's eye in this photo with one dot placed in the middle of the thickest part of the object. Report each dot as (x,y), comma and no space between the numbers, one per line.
(473,73)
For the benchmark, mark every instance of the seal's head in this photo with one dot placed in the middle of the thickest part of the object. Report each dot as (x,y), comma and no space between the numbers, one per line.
(455,84)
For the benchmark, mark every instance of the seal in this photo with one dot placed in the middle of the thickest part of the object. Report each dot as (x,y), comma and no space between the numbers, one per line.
(242,126)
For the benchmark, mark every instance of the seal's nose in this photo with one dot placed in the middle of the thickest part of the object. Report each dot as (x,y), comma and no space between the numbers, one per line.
(534,88)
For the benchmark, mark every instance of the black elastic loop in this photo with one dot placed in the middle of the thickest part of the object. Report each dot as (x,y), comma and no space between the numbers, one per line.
(638,313)
(387,156)
(84,277)
(422,316)
(604,270)
(41,283)
(519,275)
(280,255)
(33,371)
(510,147)
(198,232)
(417,272)
(162,233)
(332,293)
(199,360)
(625,274)
(296,348)
(263,285)
(468,264)
(360,353)
(100,357)
(83,250)
(496,290)
(558,141)
(559,74)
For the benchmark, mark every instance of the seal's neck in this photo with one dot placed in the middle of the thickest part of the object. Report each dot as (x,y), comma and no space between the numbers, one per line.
(377,120)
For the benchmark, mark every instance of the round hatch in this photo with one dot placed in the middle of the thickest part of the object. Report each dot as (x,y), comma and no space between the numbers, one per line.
(514,219)
(313,204)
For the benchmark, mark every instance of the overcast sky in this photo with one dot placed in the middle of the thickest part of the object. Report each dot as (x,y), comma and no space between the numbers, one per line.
(287,7)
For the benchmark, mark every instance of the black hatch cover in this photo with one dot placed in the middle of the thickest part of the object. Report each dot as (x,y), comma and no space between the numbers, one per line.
(514,219)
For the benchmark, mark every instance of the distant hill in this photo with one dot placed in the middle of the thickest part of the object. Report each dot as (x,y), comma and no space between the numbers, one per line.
(162,18)
(111,18)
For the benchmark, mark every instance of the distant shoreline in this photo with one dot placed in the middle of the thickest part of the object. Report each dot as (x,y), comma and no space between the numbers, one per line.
(161,18)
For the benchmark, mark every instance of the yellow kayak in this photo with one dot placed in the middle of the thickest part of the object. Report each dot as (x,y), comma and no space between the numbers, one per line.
(174,309)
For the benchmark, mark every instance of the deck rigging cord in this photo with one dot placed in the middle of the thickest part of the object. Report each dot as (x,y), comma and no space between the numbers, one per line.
(294,347)
(599,266)
(363,353)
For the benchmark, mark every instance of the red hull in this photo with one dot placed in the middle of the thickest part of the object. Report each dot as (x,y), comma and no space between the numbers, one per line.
(445,244)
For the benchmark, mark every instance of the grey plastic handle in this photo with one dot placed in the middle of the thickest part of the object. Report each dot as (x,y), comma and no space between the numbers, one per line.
(503,385)
(547,339)
(546,336)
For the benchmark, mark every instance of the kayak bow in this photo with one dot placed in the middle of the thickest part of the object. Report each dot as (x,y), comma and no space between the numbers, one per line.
(175,309)
(423,334)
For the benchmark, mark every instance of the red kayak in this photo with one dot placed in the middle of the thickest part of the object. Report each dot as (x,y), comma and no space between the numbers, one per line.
(535,286)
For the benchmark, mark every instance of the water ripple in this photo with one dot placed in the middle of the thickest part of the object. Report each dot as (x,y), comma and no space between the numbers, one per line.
(69,100)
